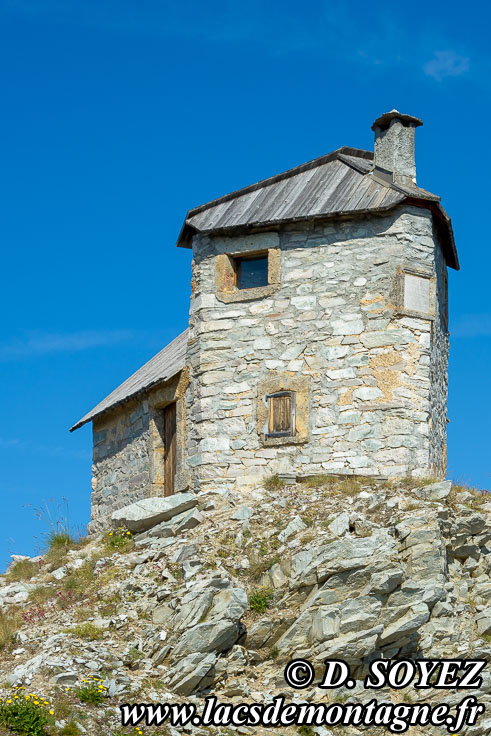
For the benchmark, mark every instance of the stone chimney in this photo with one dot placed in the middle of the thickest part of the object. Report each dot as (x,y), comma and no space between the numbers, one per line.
(394,145)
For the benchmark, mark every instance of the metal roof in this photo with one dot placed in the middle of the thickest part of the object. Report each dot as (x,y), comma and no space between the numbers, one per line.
(344,182)
(160,368)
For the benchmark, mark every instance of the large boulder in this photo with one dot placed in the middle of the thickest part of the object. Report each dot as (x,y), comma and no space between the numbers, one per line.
(144,514)
(208,618)
(191,672)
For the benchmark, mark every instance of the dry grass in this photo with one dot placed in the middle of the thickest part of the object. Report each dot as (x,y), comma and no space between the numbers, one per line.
(58,546)
(340,485)
(273,483)
(87,631)
(9,625)
(22,570)
(478,497)
(41,594)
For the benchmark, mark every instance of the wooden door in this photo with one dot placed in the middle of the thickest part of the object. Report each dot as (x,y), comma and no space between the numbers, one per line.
(170,448)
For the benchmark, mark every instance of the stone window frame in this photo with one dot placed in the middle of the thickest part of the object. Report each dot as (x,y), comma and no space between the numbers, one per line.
(226,286)
(399,291)
(276,382)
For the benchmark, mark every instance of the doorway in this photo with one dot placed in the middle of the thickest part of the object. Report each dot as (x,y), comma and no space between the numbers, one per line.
(170,448)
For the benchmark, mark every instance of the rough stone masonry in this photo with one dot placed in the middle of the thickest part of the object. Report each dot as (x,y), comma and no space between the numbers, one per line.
(317,341)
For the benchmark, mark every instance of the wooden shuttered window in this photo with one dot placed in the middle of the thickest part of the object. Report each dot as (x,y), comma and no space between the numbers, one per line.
(281,414)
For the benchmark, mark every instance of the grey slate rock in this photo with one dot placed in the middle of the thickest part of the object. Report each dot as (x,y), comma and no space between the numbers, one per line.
(189,673)
(147,513)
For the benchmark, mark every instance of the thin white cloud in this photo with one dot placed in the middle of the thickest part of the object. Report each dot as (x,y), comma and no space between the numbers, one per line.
(37,343)
(446,64)
(472,325)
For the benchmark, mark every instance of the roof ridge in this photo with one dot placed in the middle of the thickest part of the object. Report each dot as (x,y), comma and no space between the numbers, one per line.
(319,161)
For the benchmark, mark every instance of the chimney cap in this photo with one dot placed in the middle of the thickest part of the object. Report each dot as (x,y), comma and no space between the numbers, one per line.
(385,120)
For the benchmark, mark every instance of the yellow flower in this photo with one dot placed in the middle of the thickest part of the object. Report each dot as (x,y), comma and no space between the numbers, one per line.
(16,697)
(51,712)
(9,700)
(130,535)
(110,534)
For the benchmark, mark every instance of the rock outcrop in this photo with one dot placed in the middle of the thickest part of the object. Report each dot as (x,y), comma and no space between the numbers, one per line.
(216,593)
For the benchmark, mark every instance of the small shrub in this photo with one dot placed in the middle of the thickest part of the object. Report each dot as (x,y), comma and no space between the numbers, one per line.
(273,483)
(274,653)
(134,654)
(27,715)
(91,691)
(87,631)
(259,600)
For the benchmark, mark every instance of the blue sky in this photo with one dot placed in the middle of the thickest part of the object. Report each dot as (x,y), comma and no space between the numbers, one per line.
(119,115)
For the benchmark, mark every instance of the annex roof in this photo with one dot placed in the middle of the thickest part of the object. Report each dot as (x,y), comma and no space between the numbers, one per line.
(344,182)
(161,367)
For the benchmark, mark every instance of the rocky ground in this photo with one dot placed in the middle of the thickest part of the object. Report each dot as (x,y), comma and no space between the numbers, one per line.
(213,594)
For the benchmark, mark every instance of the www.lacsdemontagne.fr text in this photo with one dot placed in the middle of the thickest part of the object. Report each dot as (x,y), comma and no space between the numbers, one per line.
(396,718)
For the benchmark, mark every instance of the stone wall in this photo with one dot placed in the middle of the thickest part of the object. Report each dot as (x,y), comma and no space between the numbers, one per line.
(375,372)
(121,460)
(128,451)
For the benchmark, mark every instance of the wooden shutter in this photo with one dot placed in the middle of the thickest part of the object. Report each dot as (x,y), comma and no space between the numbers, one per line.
(280,414)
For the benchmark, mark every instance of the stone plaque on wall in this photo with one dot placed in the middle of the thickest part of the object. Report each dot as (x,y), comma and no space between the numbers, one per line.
(416,293)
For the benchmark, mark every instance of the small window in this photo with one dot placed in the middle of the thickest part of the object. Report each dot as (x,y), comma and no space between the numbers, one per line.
(417,293)
(281,414)
(251,272)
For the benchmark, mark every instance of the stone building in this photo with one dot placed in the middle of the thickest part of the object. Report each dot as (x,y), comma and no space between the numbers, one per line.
(317,339)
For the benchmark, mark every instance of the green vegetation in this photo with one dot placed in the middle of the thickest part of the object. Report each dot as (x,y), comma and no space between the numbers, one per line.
(118,540)
(91,692)
(306,731)
(134,654)
(259,600)
(70,729)
(26,715)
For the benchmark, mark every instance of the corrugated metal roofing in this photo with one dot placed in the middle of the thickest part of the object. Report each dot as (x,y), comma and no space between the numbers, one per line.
(341,183)
(160,368)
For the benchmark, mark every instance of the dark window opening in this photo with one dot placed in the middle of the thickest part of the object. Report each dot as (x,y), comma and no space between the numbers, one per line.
(281,414)
(251,272)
